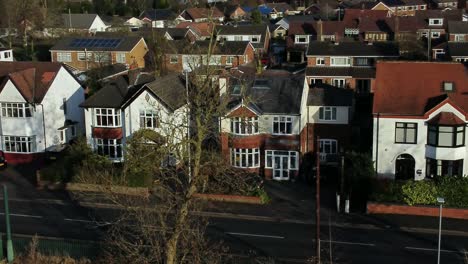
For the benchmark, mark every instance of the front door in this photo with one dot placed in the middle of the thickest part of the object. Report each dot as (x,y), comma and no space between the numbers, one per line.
(281,168)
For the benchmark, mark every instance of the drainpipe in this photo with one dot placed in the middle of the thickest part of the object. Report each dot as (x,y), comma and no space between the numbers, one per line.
(377,146)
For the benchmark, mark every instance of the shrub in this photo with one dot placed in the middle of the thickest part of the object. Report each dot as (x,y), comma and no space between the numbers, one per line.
(454,190)
(419,192)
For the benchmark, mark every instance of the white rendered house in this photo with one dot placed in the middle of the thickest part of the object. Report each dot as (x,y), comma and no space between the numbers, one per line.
(118,110)
(420,118)
(39,109)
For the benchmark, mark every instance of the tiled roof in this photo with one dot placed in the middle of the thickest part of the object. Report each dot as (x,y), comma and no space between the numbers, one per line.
(413,88)
(197,13)
(127,43)
(201,47)
(356,72)
(329,96)
(458,27)
(352,16)
(203,28)
(112,95)
(446,118)
(379,49)
(82,21)
(32,79)
(170,89)
(312,28)
(241,30)
(457,49)
(158,14)
(280,7)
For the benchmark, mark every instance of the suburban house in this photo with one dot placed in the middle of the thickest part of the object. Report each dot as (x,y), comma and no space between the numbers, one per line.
(349,65)
(262,135)
(83,53)
(420,116)
(89,23)
(326,112)
(39,109)
(6,54)
(198,14)
(301,34)
(453,4)
(258,35)
(203,30)
(182,55)
(235,12)
(401,7)
(366,25)
(125,105)
(158,18)
(279,10)
(134,23)
(456,48)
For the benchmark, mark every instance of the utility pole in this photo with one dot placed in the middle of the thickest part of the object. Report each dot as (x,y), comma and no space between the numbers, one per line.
(317,202)
(10,255)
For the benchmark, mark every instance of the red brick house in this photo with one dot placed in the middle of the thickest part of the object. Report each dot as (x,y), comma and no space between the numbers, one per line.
(349,65)
(183,55)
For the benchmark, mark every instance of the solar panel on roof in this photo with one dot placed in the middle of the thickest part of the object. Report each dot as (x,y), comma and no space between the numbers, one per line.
(95,43)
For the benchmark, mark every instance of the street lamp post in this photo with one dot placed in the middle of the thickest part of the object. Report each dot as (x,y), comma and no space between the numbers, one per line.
(441,201)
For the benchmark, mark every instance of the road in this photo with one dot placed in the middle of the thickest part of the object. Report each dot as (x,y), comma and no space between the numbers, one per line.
(286,241)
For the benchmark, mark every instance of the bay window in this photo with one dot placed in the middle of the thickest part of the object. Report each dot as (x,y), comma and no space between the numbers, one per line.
(244,125)
(107,117)
(19,144)
(282,125)
(444,167)
(446,136)
(111,148)
(16,110)
(245,158)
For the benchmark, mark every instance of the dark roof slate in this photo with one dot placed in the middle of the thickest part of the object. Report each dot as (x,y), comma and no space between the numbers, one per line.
(329,96)
(456,49)
(356,72)
(170,89)
(458,27)
(318,48)
(158,14)
(82,21)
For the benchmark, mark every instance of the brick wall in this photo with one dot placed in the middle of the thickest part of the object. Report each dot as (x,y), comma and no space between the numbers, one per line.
(376,208)
(340,132)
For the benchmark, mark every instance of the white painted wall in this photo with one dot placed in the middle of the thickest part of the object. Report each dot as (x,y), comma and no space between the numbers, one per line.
(63,86)
(388,150)
(342,115)
(98,25)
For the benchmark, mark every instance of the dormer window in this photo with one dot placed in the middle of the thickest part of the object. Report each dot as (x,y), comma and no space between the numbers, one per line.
(255,39)
(302,39)
(436,21)
(448,87)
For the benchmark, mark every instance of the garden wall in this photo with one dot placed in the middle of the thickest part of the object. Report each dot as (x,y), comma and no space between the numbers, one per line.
(382,208)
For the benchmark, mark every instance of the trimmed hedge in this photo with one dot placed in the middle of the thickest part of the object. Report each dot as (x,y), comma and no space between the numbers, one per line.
(425,192)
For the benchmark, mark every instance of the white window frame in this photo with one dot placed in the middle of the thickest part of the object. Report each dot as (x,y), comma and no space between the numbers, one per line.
(331,111)
(297,37)
(19,144)
(113,146)
(240,157)
(16,110)
(320,61)
(459,37)
(435,34)
(244,125)
(229,60)
(282,127)
(63,135)
(293,158)
(101,114)
(255,39)
(461,59)
(149,119)
(102,57)
(314,80)
(329,142)
(64,57)
(333,63)
(83,56)
(173,59)
(339,82)
(120,57)
(422,7)
(433,20)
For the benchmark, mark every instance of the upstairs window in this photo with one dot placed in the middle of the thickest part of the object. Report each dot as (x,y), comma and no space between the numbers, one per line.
(120,57)
(363,61)
(107,117)
(320,61)
(174,59)
(448,87)
(340,61)
(282,125)
(327,113)
(302,39)
(148,119)
(328,146)
(255,39)
(16,110)
(406,133)
(64,57)
(446,136)
(244,125)
(82,56)
(436,21)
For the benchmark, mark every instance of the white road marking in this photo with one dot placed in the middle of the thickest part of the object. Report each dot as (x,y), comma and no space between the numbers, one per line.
(78,220)
(435,249)
(23,215)
(349,243)
(254,235)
